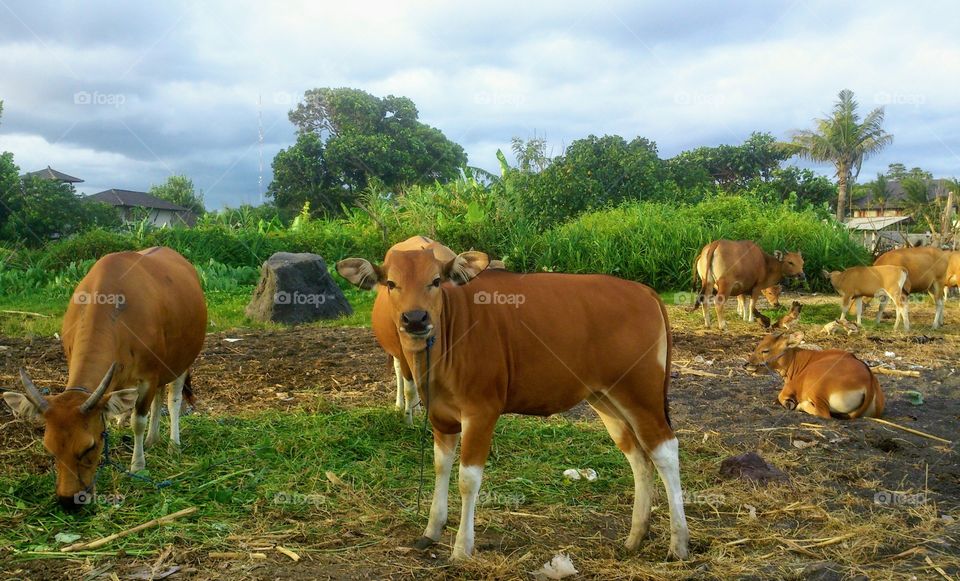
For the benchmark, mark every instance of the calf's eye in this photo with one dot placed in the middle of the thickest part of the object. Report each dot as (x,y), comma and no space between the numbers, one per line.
(391,285)
(436,282)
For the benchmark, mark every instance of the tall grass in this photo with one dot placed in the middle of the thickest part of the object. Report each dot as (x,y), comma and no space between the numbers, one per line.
(657,243)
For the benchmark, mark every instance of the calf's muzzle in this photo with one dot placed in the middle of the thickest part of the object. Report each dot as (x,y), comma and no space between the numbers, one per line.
(416,322)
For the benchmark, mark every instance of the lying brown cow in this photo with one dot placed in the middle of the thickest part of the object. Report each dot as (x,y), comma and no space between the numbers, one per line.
(534,344)
(828,384)
(135,323)
(926,272)
(736,268)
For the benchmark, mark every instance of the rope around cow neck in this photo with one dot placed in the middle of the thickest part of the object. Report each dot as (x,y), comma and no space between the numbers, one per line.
(426,419)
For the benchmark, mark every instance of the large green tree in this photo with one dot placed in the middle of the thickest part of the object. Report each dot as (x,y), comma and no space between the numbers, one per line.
(594,172)
(730,167)
(845,141)
(300,175)
(367,138)
(179,190)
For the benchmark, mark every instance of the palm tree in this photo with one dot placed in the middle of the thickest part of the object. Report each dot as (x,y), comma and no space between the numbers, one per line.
(916,202)
(843,140)
(878,192)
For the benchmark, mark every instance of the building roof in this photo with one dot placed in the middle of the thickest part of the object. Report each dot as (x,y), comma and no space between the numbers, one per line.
(52,174)
(133,199)
(896,195)
(874,223)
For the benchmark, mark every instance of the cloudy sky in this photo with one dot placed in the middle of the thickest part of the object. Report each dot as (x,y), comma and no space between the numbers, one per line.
(123,94)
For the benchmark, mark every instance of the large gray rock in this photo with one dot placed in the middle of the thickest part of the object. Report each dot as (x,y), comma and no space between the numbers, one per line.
(296,288)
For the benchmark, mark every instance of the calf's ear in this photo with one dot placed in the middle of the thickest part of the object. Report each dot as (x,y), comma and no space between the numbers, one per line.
(22,406)
(778,254)
(360,272)
(465,266)
(122,401)
(794,339)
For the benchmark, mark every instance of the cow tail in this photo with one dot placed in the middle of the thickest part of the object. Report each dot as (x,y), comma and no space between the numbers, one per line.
(705,286)
(188,391)
(667,364)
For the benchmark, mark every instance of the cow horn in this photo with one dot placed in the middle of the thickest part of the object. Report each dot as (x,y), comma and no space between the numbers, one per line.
(98,394)
(32,393)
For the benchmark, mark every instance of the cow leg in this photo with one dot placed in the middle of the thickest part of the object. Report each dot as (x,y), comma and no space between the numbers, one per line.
(474,448)
(152,431)
(412,397)
(752,305)
(723,291)
(139,421)
(706,308)
(937,294)
(399,374)
(740,306)
(657,439)
(905,312)
(444,450)
(882,305)
(174,403)
(640,464)
(860,311)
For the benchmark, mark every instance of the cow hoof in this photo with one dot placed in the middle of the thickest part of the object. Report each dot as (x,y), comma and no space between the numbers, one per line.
(679,545)
(423,543)
(459,554)
(149,442)
(137,466)
(173,448)
(408,419)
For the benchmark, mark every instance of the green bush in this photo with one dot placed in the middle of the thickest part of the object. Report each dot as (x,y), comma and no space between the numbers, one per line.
(89,245)
(656,243)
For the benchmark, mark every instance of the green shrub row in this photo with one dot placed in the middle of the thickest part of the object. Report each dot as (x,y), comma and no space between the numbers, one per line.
(651,242)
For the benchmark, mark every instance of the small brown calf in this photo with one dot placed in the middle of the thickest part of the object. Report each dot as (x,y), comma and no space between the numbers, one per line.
(827,384)
(869,281)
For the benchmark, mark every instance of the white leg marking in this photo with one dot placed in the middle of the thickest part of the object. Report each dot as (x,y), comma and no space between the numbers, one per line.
(752,303)
(666,458)
(399,374)
(470,478)
(642,497)
(412,398)
(174,402)
(740,310)
(905,309)
(442,465)
(860,311)
(938,318)
(139,427)
(152,434)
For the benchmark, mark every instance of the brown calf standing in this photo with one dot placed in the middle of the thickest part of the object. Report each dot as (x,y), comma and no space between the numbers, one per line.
(858,282)
(826,384)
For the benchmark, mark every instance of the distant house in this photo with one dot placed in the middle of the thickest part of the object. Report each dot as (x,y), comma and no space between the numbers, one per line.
(895,205)
(52,174)
(134,205)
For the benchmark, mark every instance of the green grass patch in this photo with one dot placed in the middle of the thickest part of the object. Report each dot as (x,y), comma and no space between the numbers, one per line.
(41,311)
(266,471)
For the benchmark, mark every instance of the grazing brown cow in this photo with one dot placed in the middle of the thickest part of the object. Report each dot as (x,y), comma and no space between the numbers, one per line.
(831,383)
(784,322)
(772,294)
(135,323)
(926,272)
(858,282)
(740,267)
(533,344)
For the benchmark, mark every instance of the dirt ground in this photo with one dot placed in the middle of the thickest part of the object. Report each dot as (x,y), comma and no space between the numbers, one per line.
(249,371)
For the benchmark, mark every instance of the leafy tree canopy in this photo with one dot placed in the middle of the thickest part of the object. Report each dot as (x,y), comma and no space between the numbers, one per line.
(365,137)
(179,190)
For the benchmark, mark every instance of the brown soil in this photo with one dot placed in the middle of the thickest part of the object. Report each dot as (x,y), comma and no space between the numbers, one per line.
(283,369)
